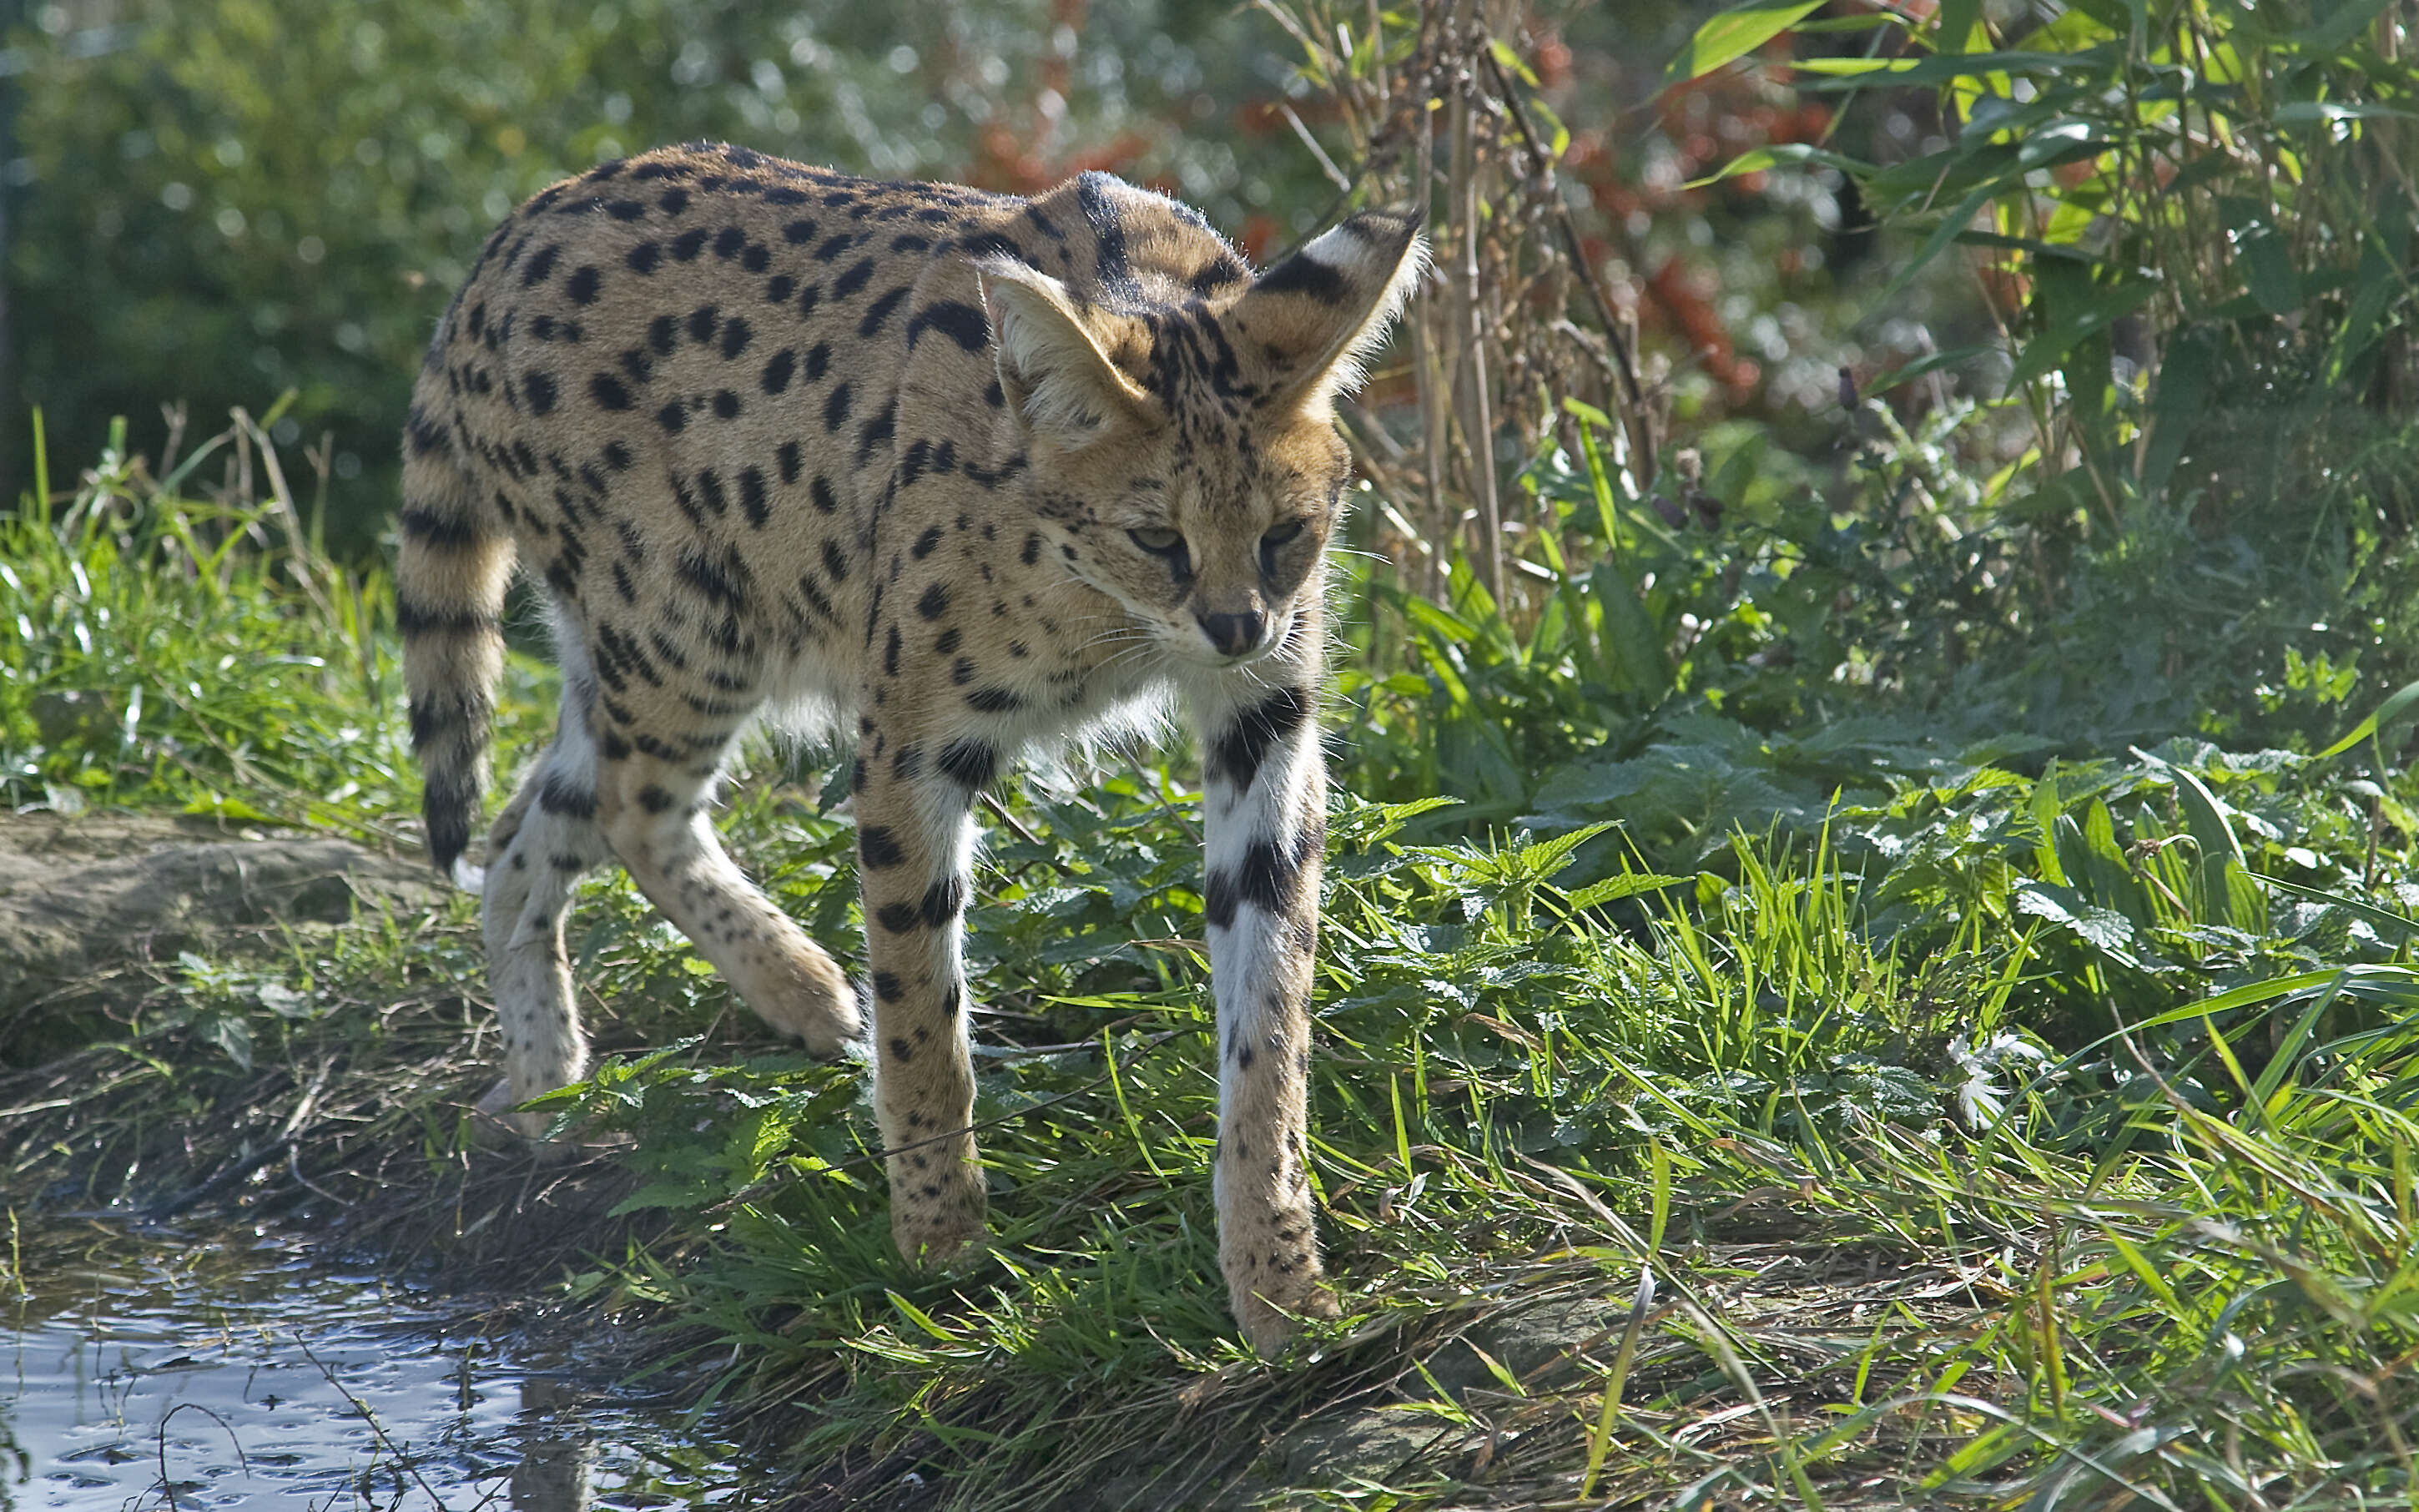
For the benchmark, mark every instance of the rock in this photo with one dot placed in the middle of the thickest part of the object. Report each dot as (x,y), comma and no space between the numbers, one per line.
(79,897)
(1538,1344)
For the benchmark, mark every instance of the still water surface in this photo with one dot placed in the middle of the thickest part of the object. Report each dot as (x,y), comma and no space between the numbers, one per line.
(268,1381)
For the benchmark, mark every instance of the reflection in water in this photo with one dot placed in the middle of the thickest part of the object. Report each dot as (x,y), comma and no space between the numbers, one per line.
(259,1380)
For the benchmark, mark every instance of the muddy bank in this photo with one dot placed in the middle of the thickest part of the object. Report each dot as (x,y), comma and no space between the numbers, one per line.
(124,1087)
(92,906)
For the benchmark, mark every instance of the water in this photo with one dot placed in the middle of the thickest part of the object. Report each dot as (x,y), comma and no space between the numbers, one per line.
(266,1381)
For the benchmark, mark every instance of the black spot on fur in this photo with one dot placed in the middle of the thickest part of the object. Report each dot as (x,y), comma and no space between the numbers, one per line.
(877,315)
(449,532)
(1304,274)
(969,763)
(878,848)
(960,322)
(877,432)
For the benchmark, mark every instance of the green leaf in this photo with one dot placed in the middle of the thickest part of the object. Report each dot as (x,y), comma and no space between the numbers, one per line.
(2328,112)
(2177,404)
(1733,34)
(1511,61)
(2348,19)
(2205,818)
(2383,919)
(2109,932)
(2389,713)
(2074,316)
(1950,68)
(1958,22)
(1932,362)
(231,1034)
(1641,658)
(2265,255)
(1627,885)
(1784,155)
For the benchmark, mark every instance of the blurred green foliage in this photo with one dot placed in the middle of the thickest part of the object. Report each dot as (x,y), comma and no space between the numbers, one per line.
(233,198)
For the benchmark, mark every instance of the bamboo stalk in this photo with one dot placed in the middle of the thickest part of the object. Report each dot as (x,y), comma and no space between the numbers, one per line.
(1477,418)
(1424,371)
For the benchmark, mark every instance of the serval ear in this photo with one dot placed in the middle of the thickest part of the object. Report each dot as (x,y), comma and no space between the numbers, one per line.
(1057,379)
(1313,319)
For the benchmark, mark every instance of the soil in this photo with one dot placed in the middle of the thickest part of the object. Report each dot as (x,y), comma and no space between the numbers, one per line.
(95,911)
(86,903)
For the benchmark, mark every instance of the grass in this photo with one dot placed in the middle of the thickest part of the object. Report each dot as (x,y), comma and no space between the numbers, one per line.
(1980,1127)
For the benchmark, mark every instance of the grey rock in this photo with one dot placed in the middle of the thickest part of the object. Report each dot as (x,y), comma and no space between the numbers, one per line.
(81,896)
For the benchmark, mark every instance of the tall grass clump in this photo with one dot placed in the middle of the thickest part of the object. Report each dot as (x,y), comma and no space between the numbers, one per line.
(183,640)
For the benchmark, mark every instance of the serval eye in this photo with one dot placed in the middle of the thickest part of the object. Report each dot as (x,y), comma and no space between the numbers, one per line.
(1168,544)
(1274,542)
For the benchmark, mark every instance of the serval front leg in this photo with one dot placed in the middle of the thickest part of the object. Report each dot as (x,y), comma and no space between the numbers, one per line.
(1268,827)
(915,846)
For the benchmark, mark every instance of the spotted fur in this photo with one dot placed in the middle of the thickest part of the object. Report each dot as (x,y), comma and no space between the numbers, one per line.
(968,472)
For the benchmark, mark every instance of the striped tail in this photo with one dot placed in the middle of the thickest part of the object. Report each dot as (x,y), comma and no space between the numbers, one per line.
(449,581)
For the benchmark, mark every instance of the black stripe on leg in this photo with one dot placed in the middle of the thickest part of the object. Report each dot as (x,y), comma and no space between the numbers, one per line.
(1236,755)
(970,764)
(943,901)
(562,796)
(1268,877)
